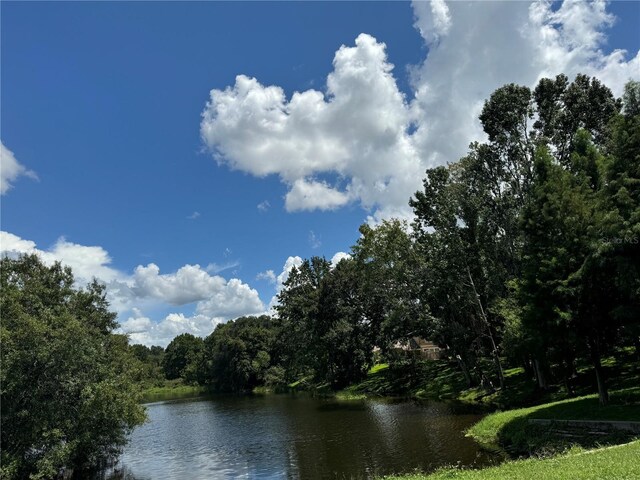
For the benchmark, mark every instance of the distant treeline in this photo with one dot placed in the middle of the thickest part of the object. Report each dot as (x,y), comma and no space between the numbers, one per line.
(525,251)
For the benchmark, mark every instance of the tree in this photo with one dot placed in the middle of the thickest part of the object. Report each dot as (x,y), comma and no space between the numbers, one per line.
(68,398)
(181,356)
(389,273)
(343,335)
(298,309)
(237,355)
(150,367)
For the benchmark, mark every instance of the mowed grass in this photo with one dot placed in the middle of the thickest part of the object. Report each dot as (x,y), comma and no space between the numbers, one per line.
(512,431)
(621,462)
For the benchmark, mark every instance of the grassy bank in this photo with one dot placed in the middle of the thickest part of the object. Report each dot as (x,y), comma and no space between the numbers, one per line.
(443,380)
(512,431)
(171,390)
(620,462)
(438,380)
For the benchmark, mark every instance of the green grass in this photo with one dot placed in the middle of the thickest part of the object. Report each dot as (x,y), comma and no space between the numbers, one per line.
(620,462)
(435,379)
(511,430)
(378,367)
(170,391)
(442,380)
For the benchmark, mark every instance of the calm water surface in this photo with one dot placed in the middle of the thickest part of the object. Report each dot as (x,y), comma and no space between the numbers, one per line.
(279,436)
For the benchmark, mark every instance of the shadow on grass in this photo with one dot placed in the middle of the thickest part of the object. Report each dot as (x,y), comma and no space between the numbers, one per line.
(520,437)
(435,379)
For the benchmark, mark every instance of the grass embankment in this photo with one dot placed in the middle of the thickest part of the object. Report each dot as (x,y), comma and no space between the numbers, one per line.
(443,380)
(438,379)
(513,432)
(171,390)
(621,462)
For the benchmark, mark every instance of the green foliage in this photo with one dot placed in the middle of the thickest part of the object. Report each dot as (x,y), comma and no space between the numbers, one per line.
(68,396)
(182,356)
(238,355)
(150,370)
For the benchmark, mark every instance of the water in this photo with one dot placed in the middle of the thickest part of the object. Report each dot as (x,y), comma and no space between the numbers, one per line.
(280,436)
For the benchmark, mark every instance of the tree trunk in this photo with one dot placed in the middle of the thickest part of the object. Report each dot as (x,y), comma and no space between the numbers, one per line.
(465,370)
(494,347)
(566,376)
(528,369)
(603,393)
(540,374)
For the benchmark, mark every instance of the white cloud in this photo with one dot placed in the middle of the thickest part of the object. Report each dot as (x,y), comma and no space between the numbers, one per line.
(357,131)
(234,300)
(138,323)
(310,195)
(194,216)
(493,43)
(339,256)
(267,275)
(86,262)
(216,299)
(432,19)
(374,142)
(11,169)
(216,296)
(142,330)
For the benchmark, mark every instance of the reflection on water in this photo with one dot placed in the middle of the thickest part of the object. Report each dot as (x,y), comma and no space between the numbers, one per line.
(279,436)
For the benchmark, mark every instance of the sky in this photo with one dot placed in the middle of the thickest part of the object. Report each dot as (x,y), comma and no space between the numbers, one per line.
(188,155)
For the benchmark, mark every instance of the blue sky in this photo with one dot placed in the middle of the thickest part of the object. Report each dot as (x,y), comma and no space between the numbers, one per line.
(105,146)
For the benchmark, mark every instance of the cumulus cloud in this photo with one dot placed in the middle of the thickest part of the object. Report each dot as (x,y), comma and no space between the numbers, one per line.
(216,299)
(339,256)
(86,262)
(310,195)
(372,141)
(194,216)
(142,330)
(432,19)
(137,323)
(264,206)
(11,169)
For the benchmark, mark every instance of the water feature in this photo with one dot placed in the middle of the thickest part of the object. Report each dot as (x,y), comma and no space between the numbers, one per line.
(280,436)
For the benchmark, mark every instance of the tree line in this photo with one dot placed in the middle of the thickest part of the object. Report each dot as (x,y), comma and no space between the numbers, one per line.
(524,251)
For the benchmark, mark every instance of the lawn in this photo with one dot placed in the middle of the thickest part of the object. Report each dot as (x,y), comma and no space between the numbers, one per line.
(511,430)
(621,462)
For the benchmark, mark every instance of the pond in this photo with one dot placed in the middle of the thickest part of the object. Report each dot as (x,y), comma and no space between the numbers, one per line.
(281,436)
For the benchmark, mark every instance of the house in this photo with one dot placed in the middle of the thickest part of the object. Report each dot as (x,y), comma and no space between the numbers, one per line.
(416,346)
(425,348)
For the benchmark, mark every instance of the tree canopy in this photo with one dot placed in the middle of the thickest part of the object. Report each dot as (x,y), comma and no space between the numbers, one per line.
(68,396)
